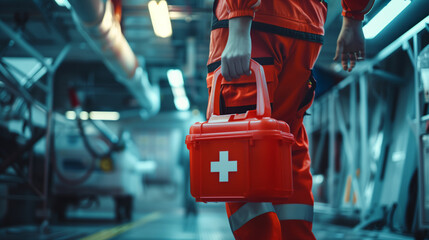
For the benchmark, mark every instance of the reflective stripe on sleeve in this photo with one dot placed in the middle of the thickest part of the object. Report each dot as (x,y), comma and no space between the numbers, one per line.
(247,212)
(294,212)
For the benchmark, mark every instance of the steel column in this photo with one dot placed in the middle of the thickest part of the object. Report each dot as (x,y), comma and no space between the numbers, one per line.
(364,156)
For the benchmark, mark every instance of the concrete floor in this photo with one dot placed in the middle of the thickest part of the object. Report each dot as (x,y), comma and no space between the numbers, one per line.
(159,215)
(166,224)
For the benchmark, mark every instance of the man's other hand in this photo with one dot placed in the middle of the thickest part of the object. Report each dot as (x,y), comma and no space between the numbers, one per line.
(350,44)
(236,55)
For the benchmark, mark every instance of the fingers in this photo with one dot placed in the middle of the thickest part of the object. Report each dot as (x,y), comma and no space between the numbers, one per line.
(234,67)
(348,56)
(225,69)
(245,66)
(349,59)
(233,70)
(345,61)
(353,57)
(338,51)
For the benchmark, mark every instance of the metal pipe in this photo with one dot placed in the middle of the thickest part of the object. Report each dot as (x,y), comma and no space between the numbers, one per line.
(60,58)
(50,129)
(330,99)
(14,85)
(392,78)
(422,218)
(96,22)
(105,36)
(48,144)
(89,11)
(105,131)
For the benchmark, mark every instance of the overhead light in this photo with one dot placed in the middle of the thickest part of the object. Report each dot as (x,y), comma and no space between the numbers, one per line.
(384,17)
(175,77)
(94,115)
(160,18)
(182,103)
(63,3)
(71,115)
(106,116)
(179,92)
(83,115)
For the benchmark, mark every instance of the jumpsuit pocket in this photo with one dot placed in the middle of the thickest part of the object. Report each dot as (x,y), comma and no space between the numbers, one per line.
(309,96)
(242,92)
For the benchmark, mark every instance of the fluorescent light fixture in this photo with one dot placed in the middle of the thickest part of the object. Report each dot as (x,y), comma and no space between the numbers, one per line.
(83,115)
(71,115)
(181,103)
(179,92)
(384,17)
(175,78)
(106,116)
(63,3)
(160,18)
(94,115)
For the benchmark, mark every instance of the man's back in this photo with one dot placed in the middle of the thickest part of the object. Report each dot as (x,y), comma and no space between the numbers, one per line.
(299,15)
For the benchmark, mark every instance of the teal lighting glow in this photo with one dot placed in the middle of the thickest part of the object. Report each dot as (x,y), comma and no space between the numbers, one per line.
(384,17)
(63,3)
(175,78)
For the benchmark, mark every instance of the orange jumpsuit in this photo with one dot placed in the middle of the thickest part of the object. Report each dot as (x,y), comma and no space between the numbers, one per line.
(287,36)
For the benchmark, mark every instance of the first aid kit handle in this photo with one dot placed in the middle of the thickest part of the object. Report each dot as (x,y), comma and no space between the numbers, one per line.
(263,108)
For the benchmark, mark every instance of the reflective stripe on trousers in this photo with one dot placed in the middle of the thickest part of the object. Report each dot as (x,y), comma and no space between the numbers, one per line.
(247,212)
(250,211)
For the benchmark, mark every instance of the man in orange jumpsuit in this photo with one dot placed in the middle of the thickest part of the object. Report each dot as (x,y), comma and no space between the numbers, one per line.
(285,37)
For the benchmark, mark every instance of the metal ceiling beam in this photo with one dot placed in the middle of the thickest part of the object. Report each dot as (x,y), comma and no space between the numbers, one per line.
(23,44)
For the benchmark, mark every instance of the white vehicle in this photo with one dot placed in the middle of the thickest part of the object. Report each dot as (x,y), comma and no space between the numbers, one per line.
(79,175)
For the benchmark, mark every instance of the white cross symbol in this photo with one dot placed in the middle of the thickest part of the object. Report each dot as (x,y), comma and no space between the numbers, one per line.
(223,167)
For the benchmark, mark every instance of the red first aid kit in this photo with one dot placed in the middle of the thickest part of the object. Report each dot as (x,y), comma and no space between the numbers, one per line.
(241,157)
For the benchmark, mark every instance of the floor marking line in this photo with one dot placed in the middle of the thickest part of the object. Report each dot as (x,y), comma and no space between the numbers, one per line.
(115,231)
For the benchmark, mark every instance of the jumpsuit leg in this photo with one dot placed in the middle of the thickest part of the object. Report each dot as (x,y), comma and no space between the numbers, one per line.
(294,96)
(253,221)
(292,220)
(296,214)
(293,61)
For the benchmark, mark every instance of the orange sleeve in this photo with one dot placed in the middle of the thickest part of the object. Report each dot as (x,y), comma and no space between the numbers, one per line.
(356,9)
(241,8)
